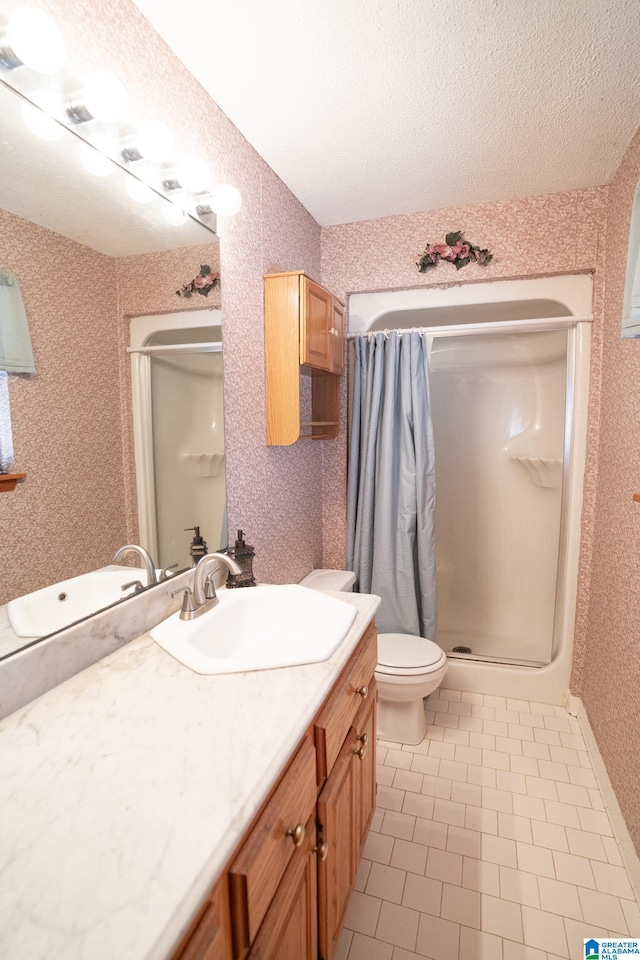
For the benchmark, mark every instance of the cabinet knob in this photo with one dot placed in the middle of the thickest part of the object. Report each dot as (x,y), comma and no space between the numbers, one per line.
(297,834)
(361,752)
(363,691)
(322,849)
(363,739)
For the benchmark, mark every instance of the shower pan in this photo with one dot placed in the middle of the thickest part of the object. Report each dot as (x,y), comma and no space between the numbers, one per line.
(509,382)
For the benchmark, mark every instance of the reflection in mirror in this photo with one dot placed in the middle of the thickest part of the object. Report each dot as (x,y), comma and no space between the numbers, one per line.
(176,374)
(87,258)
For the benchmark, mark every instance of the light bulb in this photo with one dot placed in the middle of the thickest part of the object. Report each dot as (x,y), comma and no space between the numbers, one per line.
(155,141)
(226,200)
(194,174)
(139,191)
(36,40)
(173,215)
(39,120)
(95,162)
(105,97)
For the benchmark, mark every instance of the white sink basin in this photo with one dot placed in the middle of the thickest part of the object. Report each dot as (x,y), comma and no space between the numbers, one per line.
(53,608)
(258,628)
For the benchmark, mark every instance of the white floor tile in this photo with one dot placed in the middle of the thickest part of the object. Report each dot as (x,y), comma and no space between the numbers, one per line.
(423,894)
(502,918)
(344,943)
(603,910)
(430,833)
(438,939)
(536,860)
(460,905)
(478,945)
(463,841)
(519,887)
(387,883)
(490,842)
(545,931)
(418,805)
(398,925)
(572,869)
(481,876)
(444,866)
(363,912)
(366,948)
(559,897)
(500,850)
(409,856)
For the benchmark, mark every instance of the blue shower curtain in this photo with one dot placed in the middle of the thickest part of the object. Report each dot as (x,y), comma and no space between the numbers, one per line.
(391,481)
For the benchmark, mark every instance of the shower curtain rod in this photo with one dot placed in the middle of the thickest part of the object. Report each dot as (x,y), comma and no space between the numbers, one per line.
(494,326)
(179,348)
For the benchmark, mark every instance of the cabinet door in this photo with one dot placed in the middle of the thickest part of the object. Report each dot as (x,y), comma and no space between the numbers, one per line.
(365,776)
(210,938)
(336,873)
(337,339)
(316,320)
(290,928)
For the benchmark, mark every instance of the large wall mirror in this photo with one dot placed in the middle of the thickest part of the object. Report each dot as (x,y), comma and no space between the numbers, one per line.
(89,255)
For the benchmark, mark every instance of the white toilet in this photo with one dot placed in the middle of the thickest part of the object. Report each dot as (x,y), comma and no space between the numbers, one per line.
(409,669)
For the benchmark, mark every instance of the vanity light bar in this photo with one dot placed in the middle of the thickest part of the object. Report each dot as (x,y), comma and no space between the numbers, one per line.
(33,40)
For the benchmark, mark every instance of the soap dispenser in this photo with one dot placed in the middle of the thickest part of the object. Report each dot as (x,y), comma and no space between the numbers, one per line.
(198,546)
(243,554)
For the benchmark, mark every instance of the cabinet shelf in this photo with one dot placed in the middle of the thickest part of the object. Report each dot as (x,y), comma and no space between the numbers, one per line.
(8,481)
(304,335)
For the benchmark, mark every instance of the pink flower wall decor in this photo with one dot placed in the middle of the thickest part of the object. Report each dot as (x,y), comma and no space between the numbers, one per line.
(202,284)
(455,250)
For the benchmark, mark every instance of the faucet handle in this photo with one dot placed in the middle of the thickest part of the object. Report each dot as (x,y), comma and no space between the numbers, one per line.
(164,573)
(137,584)
(188,610)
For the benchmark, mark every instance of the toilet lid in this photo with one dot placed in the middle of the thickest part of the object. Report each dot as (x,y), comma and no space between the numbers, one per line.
(405,651)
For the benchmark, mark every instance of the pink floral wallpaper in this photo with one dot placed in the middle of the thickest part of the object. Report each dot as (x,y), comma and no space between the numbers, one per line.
(68,516)
(607,674)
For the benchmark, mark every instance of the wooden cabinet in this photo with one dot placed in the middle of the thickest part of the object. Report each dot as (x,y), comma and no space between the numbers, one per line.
(304,358)
(285,893)
(210,934)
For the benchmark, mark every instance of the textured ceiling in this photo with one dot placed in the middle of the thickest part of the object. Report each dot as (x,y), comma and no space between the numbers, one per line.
(396,106)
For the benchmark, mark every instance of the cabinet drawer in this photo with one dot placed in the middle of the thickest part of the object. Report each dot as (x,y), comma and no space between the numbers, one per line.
(338,713)
(256,872)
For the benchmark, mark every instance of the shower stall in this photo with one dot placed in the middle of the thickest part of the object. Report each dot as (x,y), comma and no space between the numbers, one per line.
(508,382)
(176,365)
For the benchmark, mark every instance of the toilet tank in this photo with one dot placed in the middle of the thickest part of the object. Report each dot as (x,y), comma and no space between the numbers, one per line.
(342,580)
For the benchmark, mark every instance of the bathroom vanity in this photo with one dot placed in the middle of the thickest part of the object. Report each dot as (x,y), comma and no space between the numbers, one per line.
(150,812)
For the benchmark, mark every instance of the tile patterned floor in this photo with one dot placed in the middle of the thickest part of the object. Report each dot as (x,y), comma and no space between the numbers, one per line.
(490,842)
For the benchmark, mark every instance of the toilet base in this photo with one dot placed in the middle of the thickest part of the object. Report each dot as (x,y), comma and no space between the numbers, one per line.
(401,722)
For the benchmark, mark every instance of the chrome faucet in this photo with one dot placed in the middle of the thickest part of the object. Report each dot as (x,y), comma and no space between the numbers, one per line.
(204,596)
(146,559)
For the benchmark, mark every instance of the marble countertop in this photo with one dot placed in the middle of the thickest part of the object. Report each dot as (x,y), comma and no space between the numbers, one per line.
(125,790)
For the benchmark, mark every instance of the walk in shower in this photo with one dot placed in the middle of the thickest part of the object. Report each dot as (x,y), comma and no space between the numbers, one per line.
(508,380)
(179,432)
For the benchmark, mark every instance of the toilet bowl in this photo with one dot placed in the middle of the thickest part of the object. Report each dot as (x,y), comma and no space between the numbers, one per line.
(409,669)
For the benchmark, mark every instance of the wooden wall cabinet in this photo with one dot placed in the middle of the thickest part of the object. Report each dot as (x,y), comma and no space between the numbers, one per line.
(304,359)
(285,893)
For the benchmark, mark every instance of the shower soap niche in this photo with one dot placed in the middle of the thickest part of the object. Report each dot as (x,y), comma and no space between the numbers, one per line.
(544,471)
